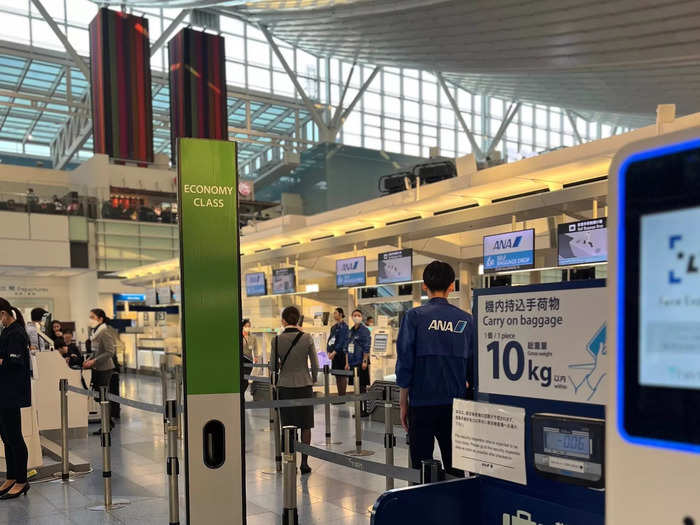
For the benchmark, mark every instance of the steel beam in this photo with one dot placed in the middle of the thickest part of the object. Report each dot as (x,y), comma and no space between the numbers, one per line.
(293,77)
(333,122)
(77,59)
(357,98)
(572,121)
(512,110)
(455,107)
(169,31)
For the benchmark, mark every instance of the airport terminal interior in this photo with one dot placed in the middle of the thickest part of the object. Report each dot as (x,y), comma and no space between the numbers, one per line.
(479,216)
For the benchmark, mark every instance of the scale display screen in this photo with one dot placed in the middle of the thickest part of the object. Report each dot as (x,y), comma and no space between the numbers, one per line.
(569,449)
(567,443)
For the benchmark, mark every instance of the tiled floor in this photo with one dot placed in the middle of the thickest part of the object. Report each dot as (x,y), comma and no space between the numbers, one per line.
(331,495)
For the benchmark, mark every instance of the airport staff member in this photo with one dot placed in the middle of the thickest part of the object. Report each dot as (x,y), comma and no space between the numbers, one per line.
(433,366)
(336,349)
(358,346)
(15,394)
(104,349)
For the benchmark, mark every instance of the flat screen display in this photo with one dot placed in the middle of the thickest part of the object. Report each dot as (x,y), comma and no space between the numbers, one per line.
(583,242)
(509,251)
(350,272)
(395,267)
(576,444)
(255,284)
(669,302)
(283,281)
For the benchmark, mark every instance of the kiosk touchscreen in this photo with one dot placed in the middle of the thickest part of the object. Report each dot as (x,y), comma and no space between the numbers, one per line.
(654,429)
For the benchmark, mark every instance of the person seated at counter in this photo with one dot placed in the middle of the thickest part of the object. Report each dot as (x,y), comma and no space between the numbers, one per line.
(70,351)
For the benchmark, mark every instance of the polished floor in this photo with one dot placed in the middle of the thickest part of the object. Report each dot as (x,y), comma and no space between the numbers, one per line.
(331,494)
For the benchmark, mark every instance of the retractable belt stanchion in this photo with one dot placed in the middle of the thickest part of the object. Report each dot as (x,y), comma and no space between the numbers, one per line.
(327,407)
(272,389)
(431,471)
(358,419)
(389,438)
(173,464)
(290,515)
(106,441)
(164,389)
(65,463)
(178,399)
(277,431)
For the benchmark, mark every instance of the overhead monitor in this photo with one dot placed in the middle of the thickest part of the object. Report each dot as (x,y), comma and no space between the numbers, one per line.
(583,242)
(350,272)
(395,267)
(509,251)
(255,284)
(283,281)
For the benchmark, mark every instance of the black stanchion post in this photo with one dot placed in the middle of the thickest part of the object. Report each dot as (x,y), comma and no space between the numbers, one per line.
(290,515)
(272,410)
(65,464)
(173,464)
(164,388)
(430,471)
(327,406)
(389,438)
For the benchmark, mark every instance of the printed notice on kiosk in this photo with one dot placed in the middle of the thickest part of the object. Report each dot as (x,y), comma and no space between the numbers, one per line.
(489,439)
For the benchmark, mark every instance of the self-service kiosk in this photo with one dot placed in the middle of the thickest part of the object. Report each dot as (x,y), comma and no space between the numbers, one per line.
(653,427)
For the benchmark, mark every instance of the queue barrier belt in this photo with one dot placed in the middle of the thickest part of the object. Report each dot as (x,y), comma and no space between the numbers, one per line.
(249,405)
(404,473)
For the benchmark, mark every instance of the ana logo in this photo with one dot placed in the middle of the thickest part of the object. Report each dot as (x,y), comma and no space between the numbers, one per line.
(504,244)
(690,267)
(348,267)
(447,326)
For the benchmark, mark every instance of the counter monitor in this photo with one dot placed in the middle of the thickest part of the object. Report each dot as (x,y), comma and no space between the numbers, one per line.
(283,281)
(255,284)
(509,251)
(350,272)
(395,267)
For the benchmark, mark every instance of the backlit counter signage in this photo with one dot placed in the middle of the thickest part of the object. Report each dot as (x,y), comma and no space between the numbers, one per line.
(350,272)
(509,251)
(583,242)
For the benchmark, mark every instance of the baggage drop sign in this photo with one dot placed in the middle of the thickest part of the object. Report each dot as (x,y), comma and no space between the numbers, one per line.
(544,341)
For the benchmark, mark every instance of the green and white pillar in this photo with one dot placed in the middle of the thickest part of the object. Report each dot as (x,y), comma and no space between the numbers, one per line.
(211,309)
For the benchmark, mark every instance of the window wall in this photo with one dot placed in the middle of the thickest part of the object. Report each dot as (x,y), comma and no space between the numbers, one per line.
(403,110)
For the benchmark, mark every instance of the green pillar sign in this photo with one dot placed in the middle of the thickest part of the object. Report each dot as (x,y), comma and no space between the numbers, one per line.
(211,332)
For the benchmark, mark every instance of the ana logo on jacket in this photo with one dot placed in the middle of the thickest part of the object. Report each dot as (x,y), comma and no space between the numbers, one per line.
(447,326)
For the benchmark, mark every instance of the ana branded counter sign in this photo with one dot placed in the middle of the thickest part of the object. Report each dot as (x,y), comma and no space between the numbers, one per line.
(583,242)
(545,342)
(395,267)
(350,272)
(509,251)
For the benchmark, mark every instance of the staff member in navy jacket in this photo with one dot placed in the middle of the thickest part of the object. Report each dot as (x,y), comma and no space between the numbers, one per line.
(15,393)
(358,346)
(434,356)
(336,349)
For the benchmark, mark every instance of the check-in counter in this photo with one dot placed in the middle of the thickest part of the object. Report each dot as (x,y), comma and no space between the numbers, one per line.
(49,368)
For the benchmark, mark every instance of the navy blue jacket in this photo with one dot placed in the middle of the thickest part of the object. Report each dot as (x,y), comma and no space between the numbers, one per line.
(15,389)
(435,353)
(362,339)
(339,338)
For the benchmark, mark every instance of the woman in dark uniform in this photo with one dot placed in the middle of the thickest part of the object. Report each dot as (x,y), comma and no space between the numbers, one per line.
(15,394)
(336,349)
(358,347)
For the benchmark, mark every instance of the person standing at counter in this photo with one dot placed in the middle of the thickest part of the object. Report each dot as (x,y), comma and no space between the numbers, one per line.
(292,352)
(433,366)
(71,352)
(36,343)
(104,348)
(15,394)
(56,333)
(336,349)
(358,346)
(250,343)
